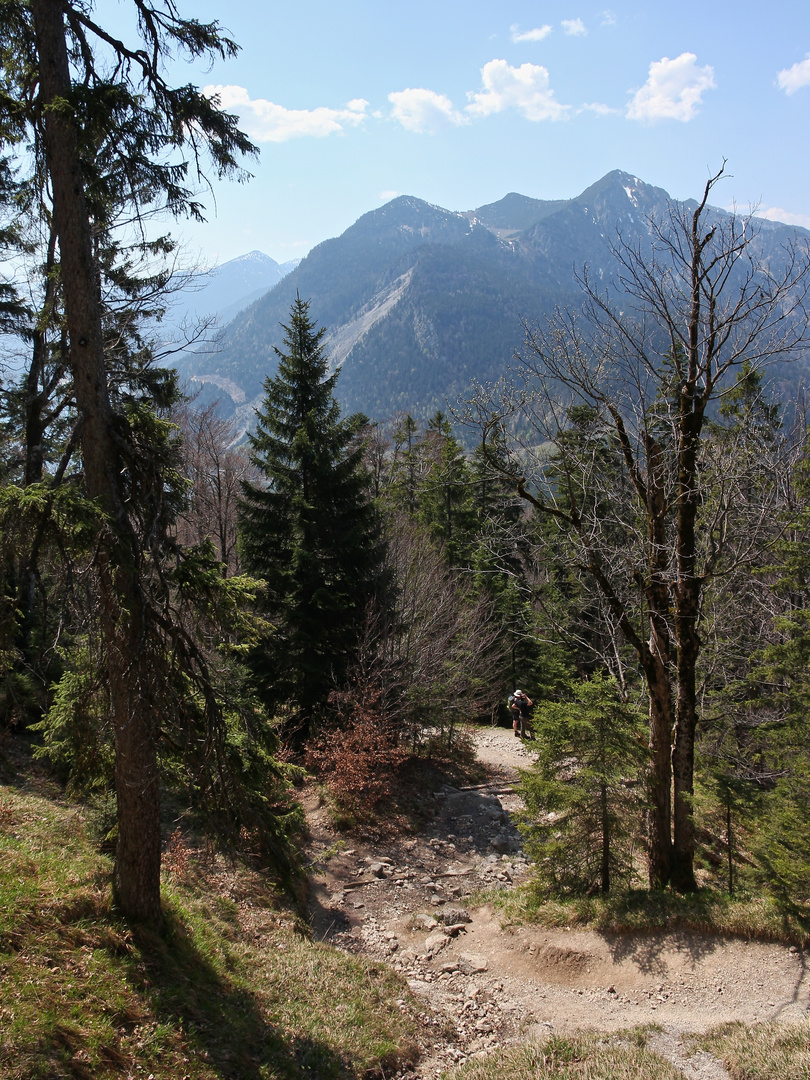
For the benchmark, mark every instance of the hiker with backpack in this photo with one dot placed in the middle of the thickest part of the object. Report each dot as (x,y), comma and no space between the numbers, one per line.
(519,706)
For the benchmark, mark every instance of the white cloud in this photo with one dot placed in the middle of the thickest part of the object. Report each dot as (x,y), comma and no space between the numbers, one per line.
(537,34)
(423,110)
(525,88)
(265,121)
(599,109)
(573,27)
(794,78)
(387,196)
(787,217)
(673,91)
(607,17)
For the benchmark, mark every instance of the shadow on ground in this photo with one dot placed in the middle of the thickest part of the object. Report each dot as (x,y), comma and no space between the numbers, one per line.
(224,1023)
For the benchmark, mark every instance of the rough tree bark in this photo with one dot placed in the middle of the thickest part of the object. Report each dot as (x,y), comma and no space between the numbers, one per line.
(121,601)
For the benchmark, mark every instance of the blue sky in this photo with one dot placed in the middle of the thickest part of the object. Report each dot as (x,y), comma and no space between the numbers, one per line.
(459,103)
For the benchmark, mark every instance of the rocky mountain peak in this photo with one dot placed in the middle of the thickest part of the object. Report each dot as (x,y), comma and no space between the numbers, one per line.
(419,301)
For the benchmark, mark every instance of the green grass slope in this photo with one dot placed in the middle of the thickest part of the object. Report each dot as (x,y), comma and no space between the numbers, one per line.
(233,988)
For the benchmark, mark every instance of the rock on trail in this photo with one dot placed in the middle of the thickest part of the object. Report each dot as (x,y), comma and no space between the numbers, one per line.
(403,902)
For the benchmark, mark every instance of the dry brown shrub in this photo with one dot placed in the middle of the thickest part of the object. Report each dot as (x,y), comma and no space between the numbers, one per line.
(177,855)
(359,754)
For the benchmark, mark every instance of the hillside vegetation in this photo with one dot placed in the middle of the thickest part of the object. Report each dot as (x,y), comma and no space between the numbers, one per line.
(193,625)
(233,987)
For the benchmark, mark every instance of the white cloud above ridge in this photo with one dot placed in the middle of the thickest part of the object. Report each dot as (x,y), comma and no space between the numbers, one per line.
(265,121)
(525,89)
(574,27)
(786,217)
(794,78)
(539,33)
(673,91)
(420,110)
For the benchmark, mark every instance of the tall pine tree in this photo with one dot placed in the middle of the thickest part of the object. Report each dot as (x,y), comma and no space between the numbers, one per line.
(310,529)
(104,130)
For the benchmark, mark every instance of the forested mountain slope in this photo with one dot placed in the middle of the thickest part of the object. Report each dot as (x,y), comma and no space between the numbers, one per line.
(420,301)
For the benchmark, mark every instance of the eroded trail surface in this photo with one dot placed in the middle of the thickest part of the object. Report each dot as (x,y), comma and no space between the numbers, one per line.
(485,983)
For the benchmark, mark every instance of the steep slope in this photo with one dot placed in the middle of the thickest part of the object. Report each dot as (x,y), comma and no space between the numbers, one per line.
(459,319)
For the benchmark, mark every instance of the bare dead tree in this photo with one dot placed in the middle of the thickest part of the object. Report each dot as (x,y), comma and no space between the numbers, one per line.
(615,448)
(437,656)
(216,469)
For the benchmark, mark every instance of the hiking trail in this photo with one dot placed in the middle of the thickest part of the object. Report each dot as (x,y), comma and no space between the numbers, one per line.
(485,983)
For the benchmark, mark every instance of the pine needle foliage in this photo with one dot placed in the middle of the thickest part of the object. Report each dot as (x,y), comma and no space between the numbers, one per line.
(309,529)
(583,804)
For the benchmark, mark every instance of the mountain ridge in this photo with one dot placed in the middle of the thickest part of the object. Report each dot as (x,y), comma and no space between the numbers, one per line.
(226,289)
(419,301)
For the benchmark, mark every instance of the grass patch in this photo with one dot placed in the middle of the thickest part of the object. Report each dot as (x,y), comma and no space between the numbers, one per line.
(232,988)
(770,1051)
(619,1056)
(707,911)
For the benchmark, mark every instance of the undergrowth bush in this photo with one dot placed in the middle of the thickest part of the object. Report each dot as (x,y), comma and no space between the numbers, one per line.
(358,754)
(374,770)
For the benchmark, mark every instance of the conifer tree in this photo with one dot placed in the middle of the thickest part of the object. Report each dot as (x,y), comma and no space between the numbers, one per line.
(446,505)
(63,73)
(765,754)
(582,810)
(310,530)
(404,465)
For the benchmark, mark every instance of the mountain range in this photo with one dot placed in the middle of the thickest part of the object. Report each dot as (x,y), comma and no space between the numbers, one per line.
(419,301)
(229,288)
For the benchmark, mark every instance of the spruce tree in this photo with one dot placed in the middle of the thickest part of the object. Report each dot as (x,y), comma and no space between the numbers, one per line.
(446,505)
(107,130)
(582,816)
(310,529)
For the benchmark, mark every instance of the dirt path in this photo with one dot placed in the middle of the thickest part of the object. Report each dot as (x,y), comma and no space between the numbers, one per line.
(485,983)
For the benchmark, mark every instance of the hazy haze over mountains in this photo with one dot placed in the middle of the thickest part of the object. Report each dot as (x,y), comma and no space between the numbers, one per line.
(230,287)
(418,301)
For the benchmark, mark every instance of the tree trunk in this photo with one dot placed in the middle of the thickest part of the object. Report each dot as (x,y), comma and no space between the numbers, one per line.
(121,601)
(683,754)
(687,609)
(36,402)
(136,878)
(660,836)
(683,767)
(656,665)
